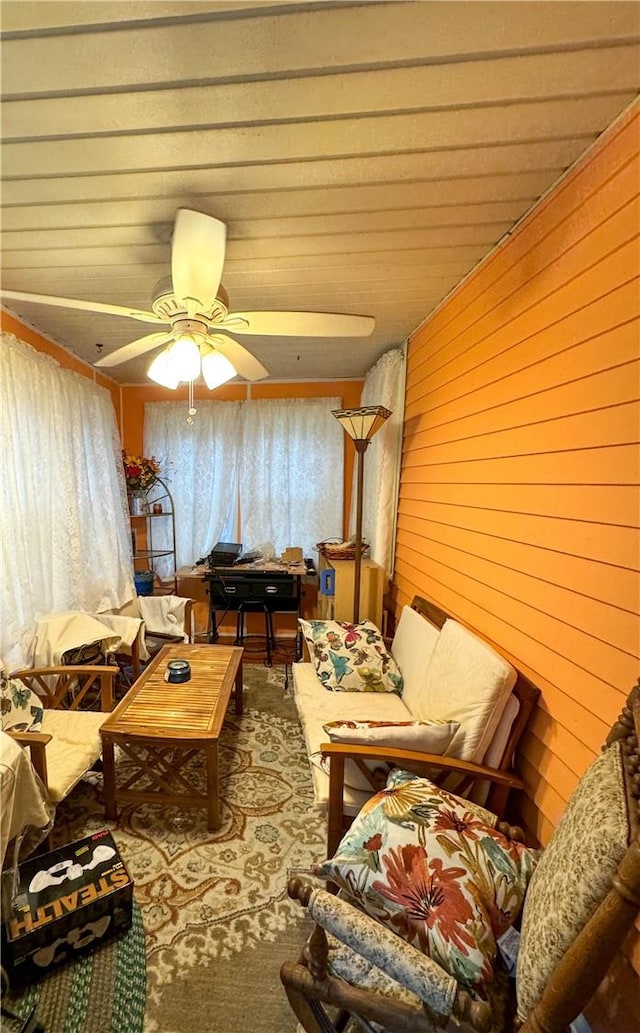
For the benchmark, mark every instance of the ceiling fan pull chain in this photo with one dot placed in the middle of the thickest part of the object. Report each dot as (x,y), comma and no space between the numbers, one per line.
(192,409)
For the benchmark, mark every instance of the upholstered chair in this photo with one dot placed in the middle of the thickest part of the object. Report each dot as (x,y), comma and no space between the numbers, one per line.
(433,890)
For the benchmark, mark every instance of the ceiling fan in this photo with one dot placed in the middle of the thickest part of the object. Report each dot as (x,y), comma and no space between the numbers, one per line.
(193,306)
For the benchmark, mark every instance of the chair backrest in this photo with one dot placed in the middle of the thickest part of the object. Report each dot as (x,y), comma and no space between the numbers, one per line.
(160,619)
(71,688)
(585,892)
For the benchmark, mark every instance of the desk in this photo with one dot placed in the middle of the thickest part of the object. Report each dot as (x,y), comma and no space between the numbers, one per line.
(255,587)
(248,586)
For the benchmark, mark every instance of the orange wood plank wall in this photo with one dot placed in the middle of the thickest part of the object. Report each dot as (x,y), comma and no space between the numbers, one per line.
(519,494)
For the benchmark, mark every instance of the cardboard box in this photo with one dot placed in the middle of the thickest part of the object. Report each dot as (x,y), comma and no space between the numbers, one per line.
(68,902)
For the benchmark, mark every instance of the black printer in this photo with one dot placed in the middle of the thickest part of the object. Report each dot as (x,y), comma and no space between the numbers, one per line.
(224,554)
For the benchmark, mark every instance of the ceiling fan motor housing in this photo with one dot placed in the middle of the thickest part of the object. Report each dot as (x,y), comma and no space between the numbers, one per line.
(189,326)
(165,305)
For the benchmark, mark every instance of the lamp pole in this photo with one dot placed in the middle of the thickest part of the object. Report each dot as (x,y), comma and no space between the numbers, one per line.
(361,447)
(360,424)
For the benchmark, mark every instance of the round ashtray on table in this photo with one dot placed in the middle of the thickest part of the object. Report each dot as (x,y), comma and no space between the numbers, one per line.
(178,671)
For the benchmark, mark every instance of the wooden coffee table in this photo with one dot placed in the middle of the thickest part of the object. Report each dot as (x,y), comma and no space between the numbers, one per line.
(160,726)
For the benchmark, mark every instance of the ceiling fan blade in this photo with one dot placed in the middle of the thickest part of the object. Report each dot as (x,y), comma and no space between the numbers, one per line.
(131,351)
(197,257)
(244,363)
(86,306)
(299,324)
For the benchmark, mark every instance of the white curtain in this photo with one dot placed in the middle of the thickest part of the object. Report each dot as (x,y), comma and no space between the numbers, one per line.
(384,385)
(291,473)
(199,464)
(65,542)
(282,460)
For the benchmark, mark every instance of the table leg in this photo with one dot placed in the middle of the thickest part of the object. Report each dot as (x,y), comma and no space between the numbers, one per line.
(213,788)
(109,779)
(238,690)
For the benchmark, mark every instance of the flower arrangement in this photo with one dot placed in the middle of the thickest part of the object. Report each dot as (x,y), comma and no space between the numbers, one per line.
(140,473)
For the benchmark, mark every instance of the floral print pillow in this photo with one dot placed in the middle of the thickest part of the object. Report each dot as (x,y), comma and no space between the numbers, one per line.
(20,708)
(430,866)
(351,657)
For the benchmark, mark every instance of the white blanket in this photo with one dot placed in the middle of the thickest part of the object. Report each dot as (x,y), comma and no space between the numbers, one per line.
(58,632)
(23,799)
(164,614)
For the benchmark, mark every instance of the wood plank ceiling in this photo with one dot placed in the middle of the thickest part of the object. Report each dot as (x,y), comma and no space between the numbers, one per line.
(365,156)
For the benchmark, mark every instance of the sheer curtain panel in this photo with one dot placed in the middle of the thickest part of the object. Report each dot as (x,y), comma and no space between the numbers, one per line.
(384,385)
(199,464)
(65,542)
(291,473)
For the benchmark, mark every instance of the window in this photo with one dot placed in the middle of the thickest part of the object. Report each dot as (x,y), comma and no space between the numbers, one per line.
(65,542)
(257,472)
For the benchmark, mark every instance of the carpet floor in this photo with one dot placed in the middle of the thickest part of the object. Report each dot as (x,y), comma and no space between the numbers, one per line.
(217,919)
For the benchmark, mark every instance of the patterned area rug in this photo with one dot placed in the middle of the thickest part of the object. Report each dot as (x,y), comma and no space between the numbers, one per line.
(217,919)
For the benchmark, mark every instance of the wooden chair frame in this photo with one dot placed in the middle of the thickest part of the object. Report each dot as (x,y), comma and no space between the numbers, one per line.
(62,688)
(310,986)
(502,779)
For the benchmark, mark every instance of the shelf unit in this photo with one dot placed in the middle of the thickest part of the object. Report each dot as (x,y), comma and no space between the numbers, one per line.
(339,606)
(142,516)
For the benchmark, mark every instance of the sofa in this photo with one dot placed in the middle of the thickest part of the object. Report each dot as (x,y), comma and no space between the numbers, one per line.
(436,698)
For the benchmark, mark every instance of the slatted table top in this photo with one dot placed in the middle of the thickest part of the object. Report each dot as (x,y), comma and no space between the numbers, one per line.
(194,710)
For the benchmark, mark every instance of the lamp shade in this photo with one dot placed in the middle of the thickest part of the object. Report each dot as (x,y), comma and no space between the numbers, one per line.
(361,424)
(216,369)
(163,371)
(185,358)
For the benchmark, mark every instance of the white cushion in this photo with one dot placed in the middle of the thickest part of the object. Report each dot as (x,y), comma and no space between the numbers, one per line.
(316,707)
(412,646)
(497,746)
(164,614)
(75,746)
(467,681)
(495,752)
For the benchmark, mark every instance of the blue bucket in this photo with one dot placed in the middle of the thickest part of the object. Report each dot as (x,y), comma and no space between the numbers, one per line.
(144,582)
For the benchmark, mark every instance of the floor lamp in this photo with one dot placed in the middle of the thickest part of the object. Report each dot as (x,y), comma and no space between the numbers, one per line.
(360,424)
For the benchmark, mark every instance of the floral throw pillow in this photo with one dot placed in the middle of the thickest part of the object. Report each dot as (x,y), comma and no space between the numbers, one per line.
(351,657)
(20,708)
(433,867)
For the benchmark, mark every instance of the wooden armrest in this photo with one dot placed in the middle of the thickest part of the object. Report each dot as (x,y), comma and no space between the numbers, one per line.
(410,758)
(30,738)
(409,966)
(36,743)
